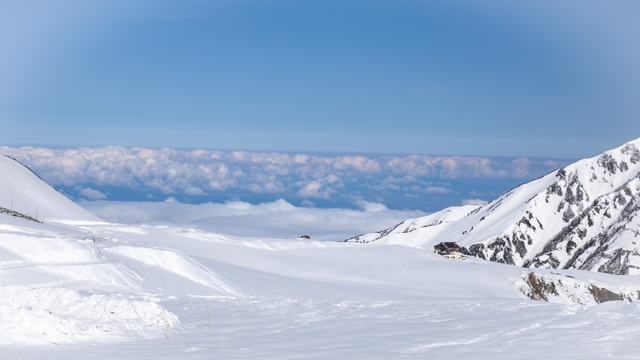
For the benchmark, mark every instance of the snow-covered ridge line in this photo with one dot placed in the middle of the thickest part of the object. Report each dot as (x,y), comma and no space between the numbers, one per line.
(447,216)
(28,168)
(583,216)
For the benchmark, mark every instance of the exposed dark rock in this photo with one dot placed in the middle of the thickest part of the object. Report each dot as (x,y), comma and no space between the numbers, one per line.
(608,162)
(619,263)
(624,166)
(520,248)
(601,295)
(506,256)
(497,244)
(538,288)
(620,200)
(476,250)
(580,194)
(560,206)
(569,197)
(630,149)
(582,233)
(554,189)
(526,222)
(570,246)
(568,215)
(17,214)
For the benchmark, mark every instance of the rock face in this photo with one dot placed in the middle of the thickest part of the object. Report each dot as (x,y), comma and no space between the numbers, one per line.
(583,216)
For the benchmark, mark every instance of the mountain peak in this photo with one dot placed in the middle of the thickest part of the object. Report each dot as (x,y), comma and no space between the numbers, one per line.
(583,216)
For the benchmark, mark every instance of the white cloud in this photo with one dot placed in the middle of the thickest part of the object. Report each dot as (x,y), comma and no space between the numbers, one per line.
(312,190)
(308,203)
(192,190)
(473,202)
(201,172)
(370,206)
(92,194)
(437,190)
(278,219)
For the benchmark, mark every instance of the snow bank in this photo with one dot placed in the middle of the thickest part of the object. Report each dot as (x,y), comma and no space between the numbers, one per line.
(45,250)
(58,315)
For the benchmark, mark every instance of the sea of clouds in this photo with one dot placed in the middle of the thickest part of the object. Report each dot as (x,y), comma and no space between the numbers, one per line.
(277,219)
(369,182)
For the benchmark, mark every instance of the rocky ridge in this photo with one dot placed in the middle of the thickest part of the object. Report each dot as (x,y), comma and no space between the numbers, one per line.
(583,216)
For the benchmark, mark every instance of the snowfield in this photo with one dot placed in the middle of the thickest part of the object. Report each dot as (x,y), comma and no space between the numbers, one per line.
(73,286)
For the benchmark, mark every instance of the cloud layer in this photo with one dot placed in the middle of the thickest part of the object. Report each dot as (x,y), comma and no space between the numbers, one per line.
(86,172)
(277,219)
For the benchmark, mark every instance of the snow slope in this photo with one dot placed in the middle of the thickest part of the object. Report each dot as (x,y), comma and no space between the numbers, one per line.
(24,192)
(583,216)
(287,299)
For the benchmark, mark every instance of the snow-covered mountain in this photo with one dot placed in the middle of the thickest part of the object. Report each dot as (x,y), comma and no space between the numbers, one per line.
(583,216)
(24,194)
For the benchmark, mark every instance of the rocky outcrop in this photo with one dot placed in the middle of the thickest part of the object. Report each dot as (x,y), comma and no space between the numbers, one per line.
(567,289)
(17,214)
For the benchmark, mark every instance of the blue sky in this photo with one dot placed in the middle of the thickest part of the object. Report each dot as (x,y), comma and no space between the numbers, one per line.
(482,78)
(357,104)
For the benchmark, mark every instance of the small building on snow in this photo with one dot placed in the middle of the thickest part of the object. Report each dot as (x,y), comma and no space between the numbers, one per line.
(446,247)
(450,250)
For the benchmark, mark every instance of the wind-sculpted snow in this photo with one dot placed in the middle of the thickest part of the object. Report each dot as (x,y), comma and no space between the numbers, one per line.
(179,264)
(62,283)
(583,216)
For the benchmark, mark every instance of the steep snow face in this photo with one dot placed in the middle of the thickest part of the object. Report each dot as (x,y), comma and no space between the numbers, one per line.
(22,192)
(580,217)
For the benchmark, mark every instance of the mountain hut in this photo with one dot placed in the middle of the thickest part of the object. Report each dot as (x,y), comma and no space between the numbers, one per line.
(445,248)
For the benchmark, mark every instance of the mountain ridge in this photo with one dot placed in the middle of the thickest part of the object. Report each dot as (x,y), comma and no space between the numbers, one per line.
(582,216)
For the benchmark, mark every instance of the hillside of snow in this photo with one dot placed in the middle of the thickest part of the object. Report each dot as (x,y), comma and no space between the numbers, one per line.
(583,216)
(72,289)
(23,193)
